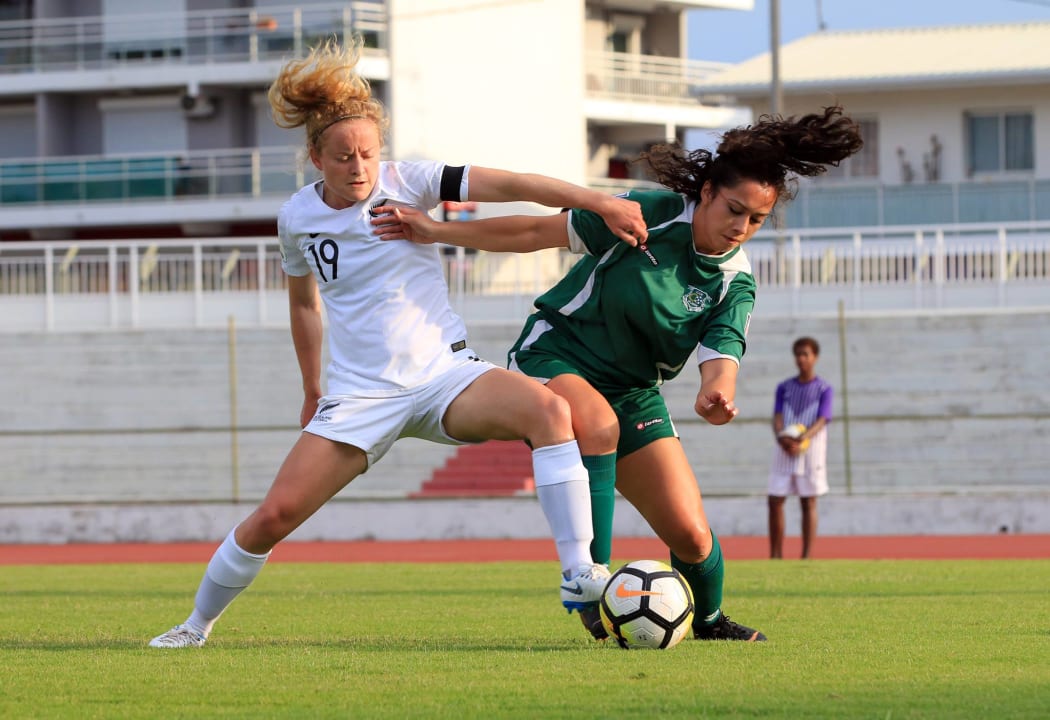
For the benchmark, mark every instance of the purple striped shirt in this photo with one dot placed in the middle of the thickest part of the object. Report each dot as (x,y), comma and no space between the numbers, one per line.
(803,402)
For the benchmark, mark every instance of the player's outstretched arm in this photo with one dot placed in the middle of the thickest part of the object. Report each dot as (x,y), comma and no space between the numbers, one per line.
(714,402)
(624,217)
(514,233)
(510,233)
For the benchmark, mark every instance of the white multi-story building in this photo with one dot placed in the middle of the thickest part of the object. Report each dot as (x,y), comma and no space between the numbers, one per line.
(148,118)
(132,121)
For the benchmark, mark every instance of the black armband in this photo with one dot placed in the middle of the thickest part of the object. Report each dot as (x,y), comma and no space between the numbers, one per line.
(451,181)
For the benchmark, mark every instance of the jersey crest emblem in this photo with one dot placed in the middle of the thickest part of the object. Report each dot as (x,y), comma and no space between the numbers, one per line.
(695,299)
(378,203)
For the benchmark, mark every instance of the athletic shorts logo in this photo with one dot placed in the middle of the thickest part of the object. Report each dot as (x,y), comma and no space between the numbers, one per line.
(649,423)
(323,414)
(695,299)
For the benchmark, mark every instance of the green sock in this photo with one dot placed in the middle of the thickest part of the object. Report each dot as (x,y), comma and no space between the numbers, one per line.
(705,579)
(601,470)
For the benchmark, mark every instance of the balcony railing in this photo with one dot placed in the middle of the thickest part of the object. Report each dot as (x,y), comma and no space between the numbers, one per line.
(838,205)
(151,176)
(279,171)
(624,76)
(160,283)
(829,204)
(204,36)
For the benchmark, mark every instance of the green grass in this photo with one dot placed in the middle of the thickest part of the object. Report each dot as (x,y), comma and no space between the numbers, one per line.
(858,639)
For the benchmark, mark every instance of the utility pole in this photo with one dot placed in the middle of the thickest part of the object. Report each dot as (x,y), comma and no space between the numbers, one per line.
(776,107)
(776,100)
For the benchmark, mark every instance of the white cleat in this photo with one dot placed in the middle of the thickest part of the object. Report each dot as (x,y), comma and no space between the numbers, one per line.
(585,588)
(179,636)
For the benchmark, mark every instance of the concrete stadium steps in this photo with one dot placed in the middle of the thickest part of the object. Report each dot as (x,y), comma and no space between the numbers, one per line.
(495,468)
(886,455)
(948,401)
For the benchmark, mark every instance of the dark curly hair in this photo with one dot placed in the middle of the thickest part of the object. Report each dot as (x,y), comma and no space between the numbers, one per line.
(771,152)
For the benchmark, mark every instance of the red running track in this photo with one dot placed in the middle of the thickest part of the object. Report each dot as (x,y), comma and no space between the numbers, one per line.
(736,548)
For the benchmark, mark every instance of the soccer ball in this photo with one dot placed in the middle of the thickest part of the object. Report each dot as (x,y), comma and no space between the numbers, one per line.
(647,604)
(795,431)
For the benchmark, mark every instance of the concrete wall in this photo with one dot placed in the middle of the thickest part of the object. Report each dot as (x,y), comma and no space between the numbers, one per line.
(517,518)
(939,405)
(147,416)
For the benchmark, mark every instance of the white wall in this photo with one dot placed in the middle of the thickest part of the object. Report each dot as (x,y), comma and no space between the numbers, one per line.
(468,93)
(517,518)
(907,119)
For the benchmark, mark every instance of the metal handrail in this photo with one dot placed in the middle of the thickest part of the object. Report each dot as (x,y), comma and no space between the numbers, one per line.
(237,172)
(633,76)
(201,36)
(838,204)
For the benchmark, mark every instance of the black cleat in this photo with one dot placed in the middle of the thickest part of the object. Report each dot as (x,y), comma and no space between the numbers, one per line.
(725,629)
(591,617)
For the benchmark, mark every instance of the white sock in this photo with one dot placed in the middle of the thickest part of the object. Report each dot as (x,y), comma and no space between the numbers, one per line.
(564,493)
(230,571)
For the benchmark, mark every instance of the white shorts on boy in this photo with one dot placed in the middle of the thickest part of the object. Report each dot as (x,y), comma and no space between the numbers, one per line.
(812,484)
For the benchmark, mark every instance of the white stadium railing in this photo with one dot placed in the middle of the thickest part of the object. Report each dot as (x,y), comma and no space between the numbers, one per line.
(73,285)
(992,264)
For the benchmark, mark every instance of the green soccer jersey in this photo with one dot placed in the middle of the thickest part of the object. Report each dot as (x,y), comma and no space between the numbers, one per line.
(634,315)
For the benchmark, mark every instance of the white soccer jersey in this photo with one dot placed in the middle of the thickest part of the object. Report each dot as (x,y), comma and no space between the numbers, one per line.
(390,325)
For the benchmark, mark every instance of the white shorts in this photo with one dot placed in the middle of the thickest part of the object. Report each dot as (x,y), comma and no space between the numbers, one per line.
(812,484)
(373,424)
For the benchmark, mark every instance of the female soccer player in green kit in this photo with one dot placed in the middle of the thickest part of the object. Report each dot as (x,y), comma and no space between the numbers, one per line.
(627,317)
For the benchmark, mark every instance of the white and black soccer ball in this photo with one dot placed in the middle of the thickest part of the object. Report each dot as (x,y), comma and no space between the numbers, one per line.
(647,604)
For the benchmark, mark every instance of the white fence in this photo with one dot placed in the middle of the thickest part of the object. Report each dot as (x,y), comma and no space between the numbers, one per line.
(959,266)
(162,283)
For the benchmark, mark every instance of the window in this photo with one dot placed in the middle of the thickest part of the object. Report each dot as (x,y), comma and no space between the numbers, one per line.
(142,124)
(16,10)
(999,142)
(865,163)
(624,33)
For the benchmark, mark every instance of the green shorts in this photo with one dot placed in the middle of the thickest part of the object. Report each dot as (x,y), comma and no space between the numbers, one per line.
(642,412)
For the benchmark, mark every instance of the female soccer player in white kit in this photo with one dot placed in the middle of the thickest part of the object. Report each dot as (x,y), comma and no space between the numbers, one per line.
(400,364)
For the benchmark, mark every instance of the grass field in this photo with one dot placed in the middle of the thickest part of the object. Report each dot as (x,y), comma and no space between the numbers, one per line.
(848,639)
